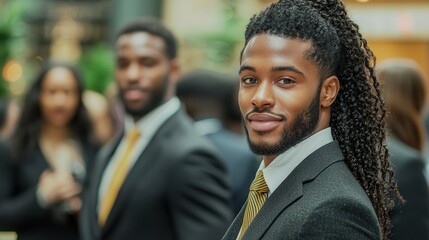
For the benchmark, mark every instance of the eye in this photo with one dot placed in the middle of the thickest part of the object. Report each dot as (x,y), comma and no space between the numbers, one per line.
(285,81)
(121,63)
(148,62)
(249,80)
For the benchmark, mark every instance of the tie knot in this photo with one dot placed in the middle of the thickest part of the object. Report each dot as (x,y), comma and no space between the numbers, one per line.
(259,183)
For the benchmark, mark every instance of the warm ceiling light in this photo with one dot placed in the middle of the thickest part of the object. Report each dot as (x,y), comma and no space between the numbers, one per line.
(362,1)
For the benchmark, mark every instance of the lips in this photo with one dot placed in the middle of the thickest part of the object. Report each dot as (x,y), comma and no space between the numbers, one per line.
(264,122)
(133,94)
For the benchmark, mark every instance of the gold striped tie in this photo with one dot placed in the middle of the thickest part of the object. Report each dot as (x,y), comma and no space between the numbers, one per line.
(118,178)
(257,195)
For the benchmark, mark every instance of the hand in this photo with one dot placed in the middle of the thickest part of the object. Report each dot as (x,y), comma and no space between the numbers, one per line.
(56,187)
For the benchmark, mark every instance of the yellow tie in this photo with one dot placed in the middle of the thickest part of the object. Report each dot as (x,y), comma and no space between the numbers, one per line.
(118,178)
(257,195)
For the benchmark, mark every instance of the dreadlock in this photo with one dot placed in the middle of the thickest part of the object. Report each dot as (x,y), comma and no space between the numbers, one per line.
(358,114)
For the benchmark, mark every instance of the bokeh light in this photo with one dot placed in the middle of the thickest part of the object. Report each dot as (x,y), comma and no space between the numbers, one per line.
(12,71)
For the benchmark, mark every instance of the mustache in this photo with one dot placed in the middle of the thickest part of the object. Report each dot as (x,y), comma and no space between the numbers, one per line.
(264,110)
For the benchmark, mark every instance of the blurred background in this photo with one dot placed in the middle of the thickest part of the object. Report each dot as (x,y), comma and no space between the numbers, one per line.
(210,33)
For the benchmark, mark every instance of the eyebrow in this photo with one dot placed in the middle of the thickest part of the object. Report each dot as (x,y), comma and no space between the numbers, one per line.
(287,68)
(246,67)
(274,69)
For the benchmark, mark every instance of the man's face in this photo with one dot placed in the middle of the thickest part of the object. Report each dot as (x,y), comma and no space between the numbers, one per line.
(279,93)
(142,72)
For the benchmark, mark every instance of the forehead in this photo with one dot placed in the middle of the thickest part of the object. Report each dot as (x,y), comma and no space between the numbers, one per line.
(266,51)
(59,77)
(140,42)
(273,46)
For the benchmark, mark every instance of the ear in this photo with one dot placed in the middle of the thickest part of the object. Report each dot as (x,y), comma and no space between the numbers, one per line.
(329,91)
(174,70)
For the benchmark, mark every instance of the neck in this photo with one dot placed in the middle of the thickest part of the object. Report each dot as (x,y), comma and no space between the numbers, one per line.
(268,160)
(54,133)
(137,118)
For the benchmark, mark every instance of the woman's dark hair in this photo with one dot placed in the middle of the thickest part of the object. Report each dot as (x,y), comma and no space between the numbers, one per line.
(404,91)
(30,122)
(358,114)
(4,106)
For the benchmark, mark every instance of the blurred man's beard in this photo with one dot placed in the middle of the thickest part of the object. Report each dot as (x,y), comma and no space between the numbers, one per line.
(157,97)
(303,126)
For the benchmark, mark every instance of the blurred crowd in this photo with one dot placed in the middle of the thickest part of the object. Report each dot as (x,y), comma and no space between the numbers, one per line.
(54,173)
(62,147)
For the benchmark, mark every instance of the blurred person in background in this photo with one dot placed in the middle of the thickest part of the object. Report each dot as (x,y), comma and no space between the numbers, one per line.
(233,120)
(41,177)
(205,95)
(159,179)
(404,92)
(9,114)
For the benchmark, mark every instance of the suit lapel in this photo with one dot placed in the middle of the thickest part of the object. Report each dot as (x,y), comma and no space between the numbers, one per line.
(137,174)
(101,161)
(290,190)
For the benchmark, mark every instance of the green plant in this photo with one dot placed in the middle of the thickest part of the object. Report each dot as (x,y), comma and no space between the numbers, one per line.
(12,33)
(97,64)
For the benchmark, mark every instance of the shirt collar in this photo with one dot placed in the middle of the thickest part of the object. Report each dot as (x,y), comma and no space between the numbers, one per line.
(281,167)
(154,119)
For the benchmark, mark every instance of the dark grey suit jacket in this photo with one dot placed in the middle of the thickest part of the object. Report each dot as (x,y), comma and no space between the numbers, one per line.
(320,199)
(177,189)
(411,219)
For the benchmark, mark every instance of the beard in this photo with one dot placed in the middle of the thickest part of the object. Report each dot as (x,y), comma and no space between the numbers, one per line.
(157,97)
(304,125)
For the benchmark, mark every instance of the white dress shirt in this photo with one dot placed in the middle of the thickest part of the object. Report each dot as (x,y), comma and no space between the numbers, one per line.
(148,126)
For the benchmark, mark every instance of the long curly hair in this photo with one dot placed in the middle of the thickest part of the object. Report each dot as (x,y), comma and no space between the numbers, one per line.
(358,113)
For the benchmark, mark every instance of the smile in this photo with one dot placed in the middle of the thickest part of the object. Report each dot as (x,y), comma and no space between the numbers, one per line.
(263,122)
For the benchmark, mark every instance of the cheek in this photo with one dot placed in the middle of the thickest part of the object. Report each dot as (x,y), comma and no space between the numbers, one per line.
(292,102)
(46,103)
(120,78)
(244,100)
(72,104)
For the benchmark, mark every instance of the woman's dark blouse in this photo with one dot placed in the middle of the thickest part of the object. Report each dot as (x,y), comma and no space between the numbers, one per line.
(19,209)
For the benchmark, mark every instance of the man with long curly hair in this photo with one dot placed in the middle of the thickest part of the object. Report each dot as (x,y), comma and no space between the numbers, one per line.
(311,106)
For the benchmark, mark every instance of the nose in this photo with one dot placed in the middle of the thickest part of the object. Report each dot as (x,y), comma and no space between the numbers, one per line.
(133,72)
(264,95)
(60,99)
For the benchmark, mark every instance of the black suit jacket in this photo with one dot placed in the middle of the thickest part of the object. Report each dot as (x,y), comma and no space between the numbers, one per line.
(320,199)
(19,210)
(177,189)
(411,219)
(240,162)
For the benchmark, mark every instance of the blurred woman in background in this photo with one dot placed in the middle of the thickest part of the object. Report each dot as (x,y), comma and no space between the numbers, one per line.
(404,93)
(51,150)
